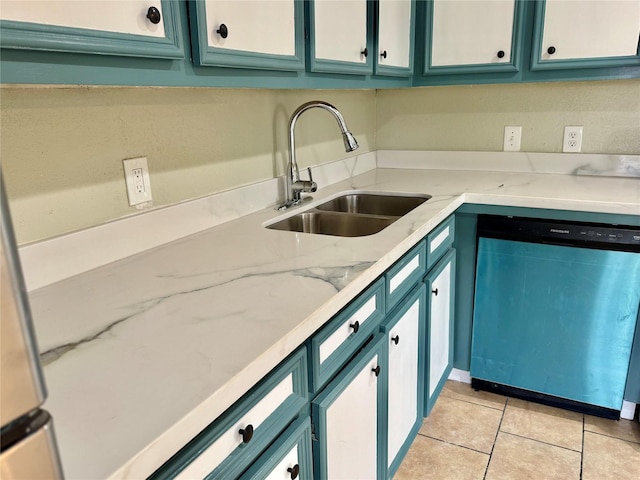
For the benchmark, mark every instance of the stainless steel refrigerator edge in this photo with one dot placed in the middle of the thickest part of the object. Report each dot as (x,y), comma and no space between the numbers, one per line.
(28,449)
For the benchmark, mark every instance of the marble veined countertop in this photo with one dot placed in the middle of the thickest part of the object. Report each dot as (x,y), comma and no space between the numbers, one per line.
(144,352)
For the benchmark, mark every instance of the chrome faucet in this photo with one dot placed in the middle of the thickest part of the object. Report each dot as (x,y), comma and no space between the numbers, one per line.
(294,186)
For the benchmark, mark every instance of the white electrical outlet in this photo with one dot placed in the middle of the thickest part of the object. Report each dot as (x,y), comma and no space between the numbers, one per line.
(136,176)
(512,138)
(572,139)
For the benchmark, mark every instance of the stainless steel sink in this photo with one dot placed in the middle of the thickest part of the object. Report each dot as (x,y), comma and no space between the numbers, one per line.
(352,214)
(374,204)
(333,223)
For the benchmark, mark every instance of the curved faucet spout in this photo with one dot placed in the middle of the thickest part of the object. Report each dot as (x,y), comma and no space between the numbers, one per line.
(294,186)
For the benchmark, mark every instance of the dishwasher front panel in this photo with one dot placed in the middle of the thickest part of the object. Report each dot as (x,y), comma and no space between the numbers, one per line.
(555,320)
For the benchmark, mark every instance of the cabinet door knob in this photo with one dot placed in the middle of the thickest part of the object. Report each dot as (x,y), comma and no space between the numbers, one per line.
(364,52)
(153,14)
(376,370)
(247,433)
(501,54)
(294,471)
(355,326)
(223,31)
(435,292)
(395,339)
(551,50)
(384,54)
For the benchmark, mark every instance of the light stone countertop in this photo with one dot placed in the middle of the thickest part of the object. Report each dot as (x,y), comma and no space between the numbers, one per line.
(141,354)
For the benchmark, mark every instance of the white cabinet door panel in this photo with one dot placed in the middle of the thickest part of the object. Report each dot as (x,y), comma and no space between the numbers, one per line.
(394,32)
(590,29)
(403,379)
(261,26)
(472,32)
(340,29)
(440,327)
(352,428)
(120,16)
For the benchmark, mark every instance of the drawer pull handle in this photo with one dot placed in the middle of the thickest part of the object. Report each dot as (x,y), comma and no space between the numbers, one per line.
(153,14)
(364,52)
(501,54)
(223,31)
(355,326)
(395,339)
(376,370)
(551,50)
(294,471)
(435,292)
(247,433)
(384,54)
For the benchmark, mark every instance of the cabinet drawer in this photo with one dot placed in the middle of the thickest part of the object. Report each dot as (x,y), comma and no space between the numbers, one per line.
(403,276)
(289,456)
(337,341)
(232,442)
(440,240)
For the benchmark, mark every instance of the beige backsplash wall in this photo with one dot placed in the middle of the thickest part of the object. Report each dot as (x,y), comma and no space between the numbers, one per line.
(62,148)
(473,117)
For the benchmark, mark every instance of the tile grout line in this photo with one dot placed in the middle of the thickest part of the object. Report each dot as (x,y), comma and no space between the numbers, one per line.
(611,436)
(486,470)
(473,403)
(582,453)
(542,442)
(453,444)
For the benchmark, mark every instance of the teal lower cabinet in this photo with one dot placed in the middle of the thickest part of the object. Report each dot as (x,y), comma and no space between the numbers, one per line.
(230,445)
(289,456)
(404,376)
(440,283)
(347,419)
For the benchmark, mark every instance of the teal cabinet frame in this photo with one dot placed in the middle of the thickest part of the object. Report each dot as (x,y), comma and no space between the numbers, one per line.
(391,70)
(36,36)
(297,435)
(435,251)
(449,258)
(264,434)
(330,394)
(510,67)
(335,66)
(205,55)
(419,253)
(536,52)
(322,372)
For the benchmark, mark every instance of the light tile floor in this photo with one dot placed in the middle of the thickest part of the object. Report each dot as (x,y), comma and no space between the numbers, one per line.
(482,436)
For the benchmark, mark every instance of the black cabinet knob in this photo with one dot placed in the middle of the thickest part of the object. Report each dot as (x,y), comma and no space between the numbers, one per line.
(395,339)
(551,50)
(355,326)
(364,52)
(223,31)
(153,14)
(435,292)
(384,54)
(247,433)
(501,54)
(294,471)
(376,370)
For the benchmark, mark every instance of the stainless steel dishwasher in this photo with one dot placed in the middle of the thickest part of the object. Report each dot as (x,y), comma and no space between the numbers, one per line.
(555,311)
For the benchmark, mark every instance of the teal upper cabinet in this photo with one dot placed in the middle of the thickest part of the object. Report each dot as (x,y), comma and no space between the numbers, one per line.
(395,40)
(586,34)
(339,36)
(472,36)
(268,34)
(138,28)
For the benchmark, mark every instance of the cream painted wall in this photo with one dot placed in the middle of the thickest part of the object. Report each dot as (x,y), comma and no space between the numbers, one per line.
(62,148)
(473,117)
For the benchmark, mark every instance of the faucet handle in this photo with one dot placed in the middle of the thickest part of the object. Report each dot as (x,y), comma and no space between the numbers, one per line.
(310,175)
